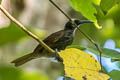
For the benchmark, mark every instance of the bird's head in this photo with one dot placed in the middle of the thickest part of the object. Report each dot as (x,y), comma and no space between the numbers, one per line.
(71,24)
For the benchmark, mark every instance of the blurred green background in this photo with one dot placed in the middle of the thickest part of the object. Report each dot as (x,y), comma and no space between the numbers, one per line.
(42,18)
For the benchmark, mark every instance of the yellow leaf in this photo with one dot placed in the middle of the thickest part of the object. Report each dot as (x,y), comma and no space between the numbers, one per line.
(81,66)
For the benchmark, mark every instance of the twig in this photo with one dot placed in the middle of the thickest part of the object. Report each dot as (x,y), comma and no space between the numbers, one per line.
(95,44)
(61,10)
(26,31)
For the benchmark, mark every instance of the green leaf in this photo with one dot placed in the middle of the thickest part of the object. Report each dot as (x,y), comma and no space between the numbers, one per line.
(97,2)
(110,53)
(0,1)
(34,75)
(106,5)
(86,8)
(9,73)
(115,75)
(12,33)
(76,46)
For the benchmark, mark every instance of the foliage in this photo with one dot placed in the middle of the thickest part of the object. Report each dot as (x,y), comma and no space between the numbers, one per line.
(115,75)
(91,8)
(110,53)
(0,1)
(12,33)
(105,8)
(76,46)
(82,5)
(10,73)
(106,13)
(80,65)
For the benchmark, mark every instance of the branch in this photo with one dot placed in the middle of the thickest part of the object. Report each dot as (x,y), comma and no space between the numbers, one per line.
(26,31)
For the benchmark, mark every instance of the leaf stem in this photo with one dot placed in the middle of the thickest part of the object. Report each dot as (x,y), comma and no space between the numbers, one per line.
(26,31)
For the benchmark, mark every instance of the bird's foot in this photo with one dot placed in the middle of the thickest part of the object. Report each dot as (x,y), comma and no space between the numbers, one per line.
(57,57)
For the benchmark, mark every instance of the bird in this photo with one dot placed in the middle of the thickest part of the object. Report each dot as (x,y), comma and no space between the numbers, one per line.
(58,40)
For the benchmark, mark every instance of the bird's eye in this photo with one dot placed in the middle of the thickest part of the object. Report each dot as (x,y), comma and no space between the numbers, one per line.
(77,22)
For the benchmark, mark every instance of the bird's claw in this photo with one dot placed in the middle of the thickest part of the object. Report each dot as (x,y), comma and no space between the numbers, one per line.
(57,57)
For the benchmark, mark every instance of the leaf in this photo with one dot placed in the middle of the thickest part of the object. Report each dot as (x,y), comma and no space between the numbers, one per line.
(76,46)
(86,8)
(97,2)
(81,66)
(115,75)
(0,1)
(110,53)
(9,73)
(34,75)
(106,5)
(12,33)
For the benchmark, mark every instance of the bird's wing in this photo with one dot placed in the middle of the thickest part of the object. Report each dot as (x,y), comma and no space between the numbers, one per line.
(50,40)
(54,37)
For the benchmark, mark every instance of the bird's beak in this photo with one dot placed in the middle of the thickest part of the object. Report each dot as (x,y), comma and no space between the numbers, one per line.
(85,21)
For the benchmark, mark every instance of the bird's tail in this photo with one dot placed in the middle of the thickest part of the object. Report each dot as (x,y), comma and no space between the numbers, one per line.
(22,60)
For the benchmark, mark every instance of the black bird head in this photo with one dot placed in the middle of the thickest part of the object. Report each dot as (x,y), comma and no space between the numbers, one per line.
(70,24)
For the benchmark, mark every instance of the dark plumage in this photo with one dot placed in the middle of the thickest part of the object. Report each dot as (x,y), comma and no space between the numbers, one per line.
(58,40)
